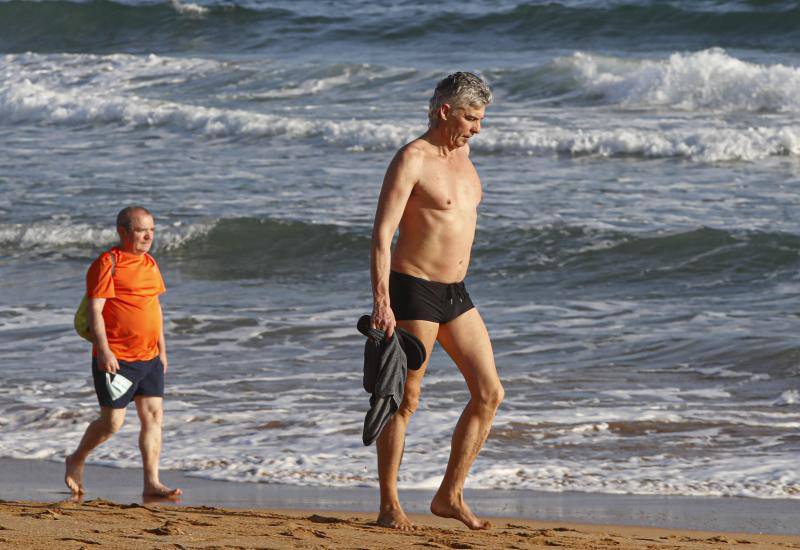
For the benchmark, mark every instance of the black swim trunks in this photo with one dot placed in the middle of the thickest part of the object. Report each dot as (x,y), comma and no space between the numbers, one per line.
(415,299)
(147,379)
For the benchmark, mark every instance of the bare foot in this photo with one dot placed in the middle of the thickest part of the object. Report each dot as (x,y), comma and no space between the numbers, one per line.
(458,509)
(74,476)
(395,518)
(158,491)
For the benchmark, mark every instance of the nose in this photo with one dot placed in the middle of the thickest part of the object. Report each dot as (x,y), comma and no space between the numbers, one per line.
(476,129)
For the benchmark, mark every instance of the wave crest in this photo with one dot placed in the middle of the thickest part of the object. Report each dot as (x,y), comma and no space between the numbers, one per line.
(709,79)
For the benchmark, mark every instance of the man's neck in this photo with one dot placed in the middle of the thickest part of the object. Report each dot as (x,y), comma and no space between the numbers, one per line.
(129,250)
(435,136)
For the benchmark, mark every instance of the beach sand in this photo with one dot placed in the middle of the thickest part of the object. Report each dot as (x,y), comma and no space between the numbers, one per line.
(36,513)
(100,523)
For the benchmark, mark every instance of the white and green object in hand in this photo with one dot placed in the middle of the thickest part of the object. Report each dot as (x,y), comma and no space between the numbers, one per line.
(117,385)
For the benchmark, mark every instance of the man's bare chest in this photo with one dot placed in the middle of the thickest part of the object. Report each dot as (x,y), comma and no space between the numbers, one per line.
(456,190)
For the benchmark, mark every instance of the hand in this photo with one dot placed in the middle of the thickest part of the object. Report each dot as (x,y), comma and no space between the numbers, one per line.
(164,361)
(383,318)
(106,361)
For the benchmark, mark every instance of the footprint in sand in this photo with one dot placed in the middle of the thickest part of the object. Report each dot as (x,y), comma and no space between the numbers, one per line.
(324,519)
(46,514)
(169,528)
(84,541)
(200,523)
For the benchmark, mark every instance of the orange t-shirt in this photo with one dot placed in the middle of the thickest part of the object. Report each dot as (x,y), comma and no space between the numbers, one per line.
(132,313)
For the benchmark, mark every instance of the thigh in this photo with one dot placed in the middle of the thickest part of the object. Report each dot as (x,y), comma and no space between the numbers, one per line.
(151,383)
(112,417)
(426,331)
(466,341)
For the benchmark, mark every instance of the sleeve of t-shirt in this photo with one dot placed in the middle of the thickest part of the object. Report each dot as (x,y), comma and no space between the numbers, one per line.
(162,288)
(99,282)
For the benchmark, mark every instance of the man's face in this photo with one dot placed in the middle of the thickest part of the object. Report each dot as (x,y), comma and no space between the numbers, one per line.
(462,123)
(140,239)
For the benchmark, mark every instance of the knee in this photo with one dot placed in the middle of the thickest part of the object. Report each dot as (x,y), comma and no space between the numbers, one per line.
(410,402)
(111,425)
(152,417)
(491,397)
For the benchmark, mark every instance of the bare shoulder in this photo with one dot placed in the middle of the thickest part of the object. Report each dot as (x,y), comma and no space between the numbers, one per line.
(413,152)
(408,162)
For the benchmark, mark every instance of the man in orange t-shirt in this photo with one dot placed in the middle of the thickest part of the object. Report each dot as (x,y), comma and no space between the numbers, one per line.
(129,356)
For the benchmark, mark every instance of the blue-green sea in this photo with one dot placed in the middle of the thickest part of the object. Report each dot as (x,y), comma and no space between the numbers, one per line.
(636,259)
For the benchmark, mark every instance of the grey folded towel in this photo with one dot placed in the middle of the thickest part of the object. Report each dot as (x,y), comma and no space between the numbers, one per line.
(386,365)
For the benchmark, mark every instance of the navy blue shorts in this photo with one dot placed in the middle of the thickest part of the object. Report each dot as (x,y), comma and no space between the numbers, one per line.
(147,378)
(415,299)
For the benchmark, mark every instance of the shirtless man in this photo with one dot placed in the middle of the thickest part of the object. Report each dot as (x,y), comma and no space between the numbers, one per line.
(127,325)
(431,192)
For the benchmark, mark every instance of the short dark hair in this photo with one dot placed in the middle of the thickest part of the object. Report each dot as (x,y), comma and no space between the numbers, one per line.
(459,90)
(125,216)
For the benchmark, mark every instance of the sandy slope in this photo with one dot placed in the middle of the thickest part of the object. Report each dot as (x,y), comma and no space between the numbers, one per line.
(102,524)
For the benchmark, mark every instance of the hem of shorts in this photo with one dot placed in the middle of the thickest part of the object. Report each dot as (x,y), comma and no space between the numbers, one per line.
(396,318)
(116,407)
(147,395)
(459,315)
(418,319)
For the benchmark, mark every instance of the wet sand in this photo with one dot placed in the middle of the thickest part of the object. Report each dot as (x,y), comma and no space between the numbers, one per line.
(100,523)
(36,513)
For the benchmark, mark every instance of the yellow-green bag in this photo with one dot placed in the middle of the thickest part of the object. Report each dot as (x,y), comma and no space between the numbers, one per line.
(81,320)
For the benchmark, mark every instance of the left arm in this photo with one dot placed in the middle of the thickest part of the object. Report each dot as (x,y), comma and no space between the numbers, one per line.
(162,341)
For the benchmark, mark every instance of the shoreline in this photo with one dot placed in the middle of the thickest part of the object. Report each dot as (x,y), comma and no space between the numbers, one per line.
(42,481)
(98,522)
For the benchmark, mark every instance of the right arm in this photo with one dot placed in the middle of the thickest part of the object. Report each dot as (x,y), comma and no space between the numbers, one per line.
(106,361)
(401,176)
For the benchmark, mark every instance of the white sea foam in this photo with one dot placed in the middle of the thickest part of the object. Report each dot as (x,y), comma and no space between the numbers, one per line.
(97,91)
(310,85)
(65,235)
(234,434)
(706,145)
(30,101)
(86,89)
(188,8)
(709,79)
(651,475)
(789,397)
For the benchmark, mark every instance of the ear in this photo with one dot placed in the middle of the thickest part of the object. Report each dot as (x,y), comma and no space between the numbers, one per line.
(121,231)
(444,111)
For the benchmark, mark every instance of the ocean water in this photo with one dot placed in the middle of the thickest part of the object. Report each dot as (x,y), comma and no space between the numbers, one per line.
(636,260)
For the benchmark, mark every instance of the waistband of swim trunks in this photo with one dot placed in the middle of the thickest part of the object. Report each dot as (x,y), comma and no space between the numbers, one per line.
(420,279)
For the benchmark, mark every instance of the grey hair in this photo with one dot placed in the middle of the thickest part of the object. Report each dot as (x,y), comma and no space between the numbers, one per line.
(459,90)
(125,216)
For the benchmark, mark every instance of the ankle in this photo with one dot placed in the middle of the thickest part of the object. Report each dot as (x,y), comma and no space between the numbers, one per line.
(448,497)
(76,458)
(392,506)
